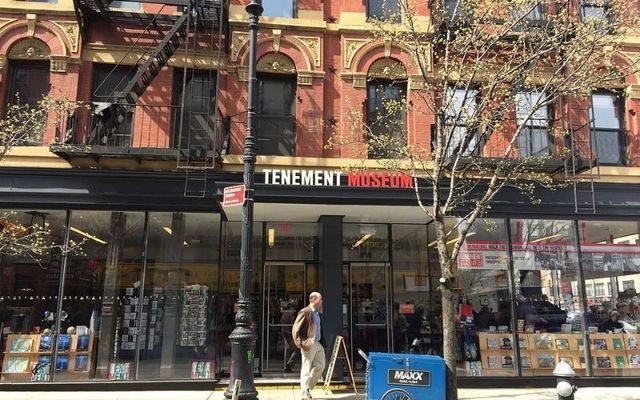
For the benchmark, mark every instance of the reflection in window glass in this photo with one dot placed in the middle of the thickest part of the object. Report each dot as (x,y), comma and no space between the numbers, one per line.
(102,296)
(228,291)
(548,294)
(287,241)
(180,281)
(611,263)
(483,301)
(366,242)
(29,281)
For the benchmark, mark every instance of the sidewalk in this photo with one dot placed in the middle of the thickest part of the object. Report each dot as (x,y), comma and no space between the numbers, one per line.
(604,393)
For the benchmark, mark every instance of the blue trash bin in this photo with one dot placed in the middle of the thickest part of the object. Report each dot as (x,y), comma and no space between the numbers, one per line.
(405,377)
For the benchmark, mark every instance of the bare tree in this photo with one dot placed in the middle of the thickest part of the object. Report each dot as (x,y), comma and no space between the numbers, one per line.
(497,78)
(21,125)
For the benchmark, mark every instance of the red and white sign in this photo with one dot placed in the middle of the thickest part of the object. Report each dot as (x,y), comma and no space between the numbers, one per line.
(233,196)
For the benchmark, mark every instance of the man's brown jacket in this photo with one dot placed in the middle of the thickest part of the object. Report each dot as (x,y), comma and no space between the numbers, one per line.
(304,330)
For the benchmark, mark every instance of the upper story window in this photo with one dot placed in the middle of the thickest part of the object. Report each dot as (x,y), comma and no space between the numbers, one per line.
(388,10)
(607,139)
(28,84)
(532,115)
(193,124)
(108,129)
(386,117)
(276,127)
(127,5)
(461,107)
(593,9)
(279,8)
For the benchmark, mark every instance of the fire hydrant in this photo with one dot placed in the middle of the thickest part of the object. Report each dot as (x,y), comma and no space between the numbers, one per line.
(565,387)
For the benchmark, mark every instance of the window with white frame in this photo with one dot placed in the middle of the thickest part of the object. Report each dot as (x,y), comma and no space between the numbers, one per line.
(460,113)
(596,9)
(532,117)
(607,139)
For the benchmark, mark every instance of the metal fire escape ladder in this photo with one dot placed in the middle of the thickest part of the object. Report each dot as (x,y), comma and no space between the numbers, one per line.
(583,168)
(154,63)
(199,130)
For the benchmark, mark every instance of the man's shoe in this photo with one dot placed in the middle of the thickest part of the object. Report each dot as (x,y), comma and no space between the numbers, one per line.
(306,395)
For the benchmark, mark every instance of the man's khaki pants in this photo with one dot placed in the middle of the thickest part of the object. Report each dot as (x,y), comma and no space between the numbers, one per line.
(313,362)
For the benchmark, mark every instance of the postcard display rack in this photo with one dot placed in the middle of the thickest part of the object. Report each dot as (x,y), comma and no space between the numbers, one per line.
(24,353)
(139,320)
(615,353)
(541,352)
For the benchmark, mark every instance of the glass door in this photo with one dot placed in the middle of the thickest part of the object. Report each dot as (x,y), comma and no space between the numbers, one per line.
(369,308)
(285,291)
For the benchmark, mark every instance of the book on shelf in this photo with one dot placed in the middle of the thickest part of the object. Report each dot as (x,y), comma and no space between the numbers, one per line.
(543,342)
(603,362)
(600,344)
(562,344)
(546,360)
(617,344)
(621,362)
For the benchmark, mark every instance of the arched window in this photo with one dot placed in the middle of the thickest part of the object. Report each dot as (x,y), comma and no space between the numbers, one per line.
(28,81)
(386,108)
(276,125)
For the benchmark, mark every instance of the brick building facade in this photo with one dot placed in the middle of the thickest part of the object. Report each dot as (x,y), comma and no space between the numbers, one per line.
(158,253)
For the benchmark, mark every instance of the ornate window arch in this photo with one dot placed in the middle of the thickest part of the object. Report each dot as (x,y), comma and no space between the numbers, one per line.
(276,63)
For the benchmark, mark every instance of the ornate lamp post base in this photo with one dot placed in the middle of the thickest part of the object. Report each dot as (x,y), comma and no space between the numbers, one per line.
(243,344)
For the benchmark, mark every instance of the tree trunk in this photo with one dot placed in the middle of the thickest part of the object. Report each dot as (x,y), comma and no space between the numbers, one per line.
(448,308)
(449,338)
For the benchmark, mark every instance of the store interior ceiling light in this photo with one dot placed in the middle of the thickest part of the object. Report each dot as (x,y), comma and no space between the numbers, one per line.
(87,235)
(168,230)
(542,239)
(362,240)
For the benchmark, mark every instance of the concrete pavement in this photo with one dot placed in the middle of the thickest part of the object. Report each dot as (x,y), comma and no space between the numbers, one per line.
(605,393)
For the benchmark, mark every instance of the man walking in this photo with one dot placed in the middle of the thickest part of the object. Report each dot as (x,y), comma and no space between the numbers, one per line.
(307,336)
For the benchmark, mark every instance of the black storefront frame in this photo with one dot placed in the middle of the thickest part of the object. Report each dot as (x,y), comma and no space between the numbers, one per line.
(614,202)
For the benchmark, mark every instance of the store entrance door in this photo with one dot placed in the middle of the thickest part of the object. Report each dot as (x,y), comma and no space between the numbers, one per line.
(285,290)
(369,307)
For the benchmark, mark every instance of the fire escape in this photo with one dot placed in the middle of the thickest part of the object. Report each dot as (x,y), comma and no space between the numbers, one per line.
(574,161)
(120,125)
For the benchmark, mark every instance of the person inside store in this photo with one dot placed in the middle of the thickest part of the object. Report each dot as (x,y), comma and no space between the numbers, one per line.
(484,319)
(287,320)
(400,327)
(307,336)
(612,323)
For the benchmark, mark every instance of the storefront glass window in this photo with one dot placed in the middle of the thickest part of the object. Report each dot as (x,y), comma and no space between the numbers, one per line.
(29,280)
(485,336)
(179,297)
(547,288)
(411,312)
(102,297)
(366,242)
(611,263)
(286,241)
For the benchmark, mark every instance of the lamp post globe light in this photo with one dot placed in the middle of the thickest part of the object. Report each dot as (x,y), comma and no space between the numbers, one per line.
(243,339)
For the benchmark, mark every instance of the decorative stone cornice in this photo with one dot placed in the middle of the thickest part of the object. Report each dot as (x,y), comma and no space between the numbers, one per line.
(359,80)
(633,92)
(313,44)
(3,61)
(29,49)
(351,46)
(277,35)
(59,63)
(238,40)
(6,21)
(305,78)
(31,24)
(387,68)
(416,82)
(72,31)
(243,73)
(276,63)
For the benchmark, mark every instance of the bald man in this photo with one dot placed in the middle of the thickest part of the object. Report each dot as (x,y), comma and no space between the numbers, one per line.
(307,336)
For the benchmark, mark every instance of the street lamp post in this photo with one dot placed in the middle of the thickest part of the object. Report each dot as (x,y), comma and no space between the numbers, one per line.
(243,339)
